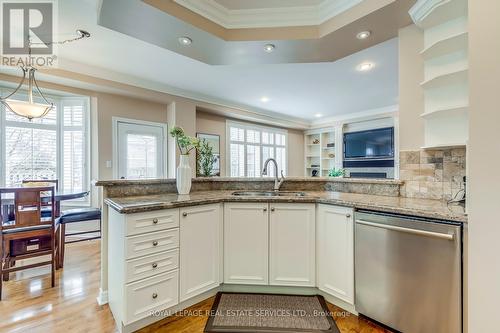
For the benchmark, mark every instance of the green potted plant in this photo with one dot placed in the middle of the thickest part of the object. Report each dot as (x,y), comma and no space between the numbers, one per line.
(337,173)
(185,144)
(206,159)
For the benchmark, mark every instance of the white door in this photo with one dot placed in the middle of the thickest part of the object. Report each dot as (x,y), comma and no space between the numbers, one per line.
(200,249)
(335,249)
(292,249)
(246,243)
(140,149)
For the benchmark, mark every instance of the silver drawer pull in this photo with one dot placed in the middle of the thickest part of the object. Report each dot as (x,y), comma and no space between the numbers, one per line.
(155,295)
(265,210)
(407,230)
(154,265)
(184,214)
(272,209)
(348,215)
(155,221)
(155,243)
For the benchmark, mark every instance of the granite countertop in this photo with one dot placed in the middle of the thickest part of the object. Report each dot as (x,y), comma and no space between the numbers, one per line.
(115,182)
(409,206)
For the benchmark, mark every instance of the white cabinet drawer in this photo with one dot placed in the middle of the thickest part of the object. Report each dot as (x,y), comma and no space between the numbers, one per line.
(151,243)
(156,293)
(152,221)
(147,266)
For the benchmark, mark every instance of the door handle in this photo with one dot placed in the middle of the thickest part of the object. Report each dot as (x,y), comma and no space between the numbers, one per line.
(408,230)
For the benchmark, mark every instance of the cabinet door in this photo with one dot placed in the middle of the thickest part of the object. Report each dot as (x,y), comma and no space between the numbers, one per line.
(292,248)
(335,248)
(200,249)
(246,243)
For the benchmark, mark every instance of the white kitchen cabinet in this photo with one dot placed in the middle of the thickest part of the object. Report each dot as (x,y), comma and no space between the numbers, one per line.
(246,241)
(292,248)
(335,251)
(200,249)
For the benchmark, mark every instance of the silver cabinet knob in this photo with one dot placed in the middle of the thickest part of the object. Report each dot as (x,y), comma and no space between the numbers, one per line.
(154,265)
(265,210)
(155,295)
(272,209)
(348,215)
(184,214)
(155,221)
(155,243)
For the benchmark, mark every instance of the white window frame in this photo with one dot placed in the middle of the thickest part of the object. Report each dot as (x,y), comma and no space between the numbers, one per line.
(59,128)
(116,120)
(249,126)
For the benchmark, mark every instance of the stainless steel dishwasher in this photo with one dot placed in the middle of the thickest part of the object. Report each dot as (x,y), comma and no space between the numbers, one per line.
(409,272)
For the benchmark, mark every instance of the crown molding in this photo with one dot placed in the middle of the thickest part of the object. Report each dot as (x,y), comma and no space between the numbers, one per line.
(423,8)
(268,17)
(428,13)
(388,111)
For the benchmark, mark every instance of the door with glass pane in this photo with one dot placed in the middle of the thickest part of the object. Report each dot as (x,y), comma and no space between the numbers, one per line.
(141,150)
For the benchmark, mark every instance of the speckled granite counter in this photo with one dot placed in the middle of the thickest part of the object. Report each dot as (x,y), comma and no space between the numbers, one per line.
(408,206)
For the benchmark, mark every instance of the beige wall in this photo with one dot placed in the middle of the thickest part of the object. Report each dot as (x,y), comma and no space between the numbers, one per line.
(411,97)
(214,124)
(109,106)
(483,161)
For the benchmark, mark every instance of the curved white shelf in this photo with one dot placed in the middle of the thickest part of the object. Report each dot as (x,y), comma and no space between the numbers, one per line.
(445,145)
(447,79)
(447,111)
(446,46)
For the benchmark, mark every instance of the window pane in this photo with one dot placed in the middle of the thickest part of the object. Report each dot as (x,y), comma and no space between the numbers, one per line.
(253,136)
(253,161)
(73,161)
(281,159)
(267,138)
(237,152)
(73,115)
(30,154)
(141,156)
(280,140)
(237,134)
(268,152)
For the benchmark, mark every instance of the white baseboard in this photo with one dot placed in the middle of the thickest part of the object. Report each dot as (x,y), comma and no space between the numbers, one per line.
(102,298)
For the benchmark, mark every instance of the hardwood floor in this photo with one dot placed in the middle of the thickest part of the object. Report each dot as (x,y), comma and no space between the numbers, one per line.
(30,305)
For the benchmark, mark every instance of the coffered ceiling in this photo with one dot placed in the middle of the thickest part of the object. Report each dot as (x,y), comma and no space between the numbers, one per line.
(214,44)
(263,14)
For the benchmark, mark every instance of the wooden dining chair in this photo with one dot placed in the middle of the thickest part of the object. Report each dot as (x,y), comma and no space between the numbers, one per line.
(24,226)
(44,182)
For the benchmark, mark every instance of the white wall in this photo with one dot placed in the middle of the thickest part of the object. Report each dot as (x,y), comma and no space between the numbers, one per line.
(483,167)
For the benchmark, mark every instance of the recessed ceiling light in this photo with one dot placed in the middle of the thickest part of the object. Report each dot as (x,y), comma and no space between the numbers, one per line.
(185,41)
(269,48)
(363,34)
(318,115)
(366,66)
(264,99)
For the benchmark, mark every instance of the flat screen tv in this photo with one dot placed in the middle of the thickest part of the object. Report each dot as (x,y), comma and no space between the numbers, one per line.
(376,143)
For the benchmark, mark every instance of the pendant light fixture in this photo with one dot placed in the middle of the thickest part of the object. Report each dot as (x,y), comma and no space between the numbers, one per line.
(28,109)
(31,109)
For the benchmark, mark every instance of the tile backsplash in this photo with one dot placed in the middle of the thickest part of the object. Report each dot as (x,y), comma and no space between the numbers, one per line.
(432,174)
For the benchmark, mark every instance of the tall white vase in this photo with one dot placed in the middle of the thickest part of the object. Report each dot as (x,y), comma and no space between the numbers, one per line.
(183,178)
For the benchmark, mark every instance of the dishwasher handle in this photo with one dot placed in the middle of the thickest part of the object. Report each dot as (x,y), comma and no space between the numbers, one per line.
(439,235)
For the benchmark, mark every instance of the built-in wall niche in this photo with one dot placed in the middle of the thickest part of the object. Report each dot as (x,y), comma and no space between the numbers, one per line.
(319,152)
(445,54)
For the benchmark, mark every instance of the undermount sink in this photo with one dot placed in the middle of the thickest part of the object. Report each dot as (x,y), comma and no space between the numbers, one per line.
(268,194)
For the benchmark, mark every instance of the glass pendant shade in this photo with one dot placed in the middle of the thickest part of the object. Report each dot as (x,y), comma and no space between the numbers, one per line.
(27,109)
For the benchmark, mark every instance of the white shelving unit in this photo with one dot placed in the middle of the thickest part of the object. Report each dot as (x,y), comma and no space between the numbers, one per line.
(320,152)
(445,55)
